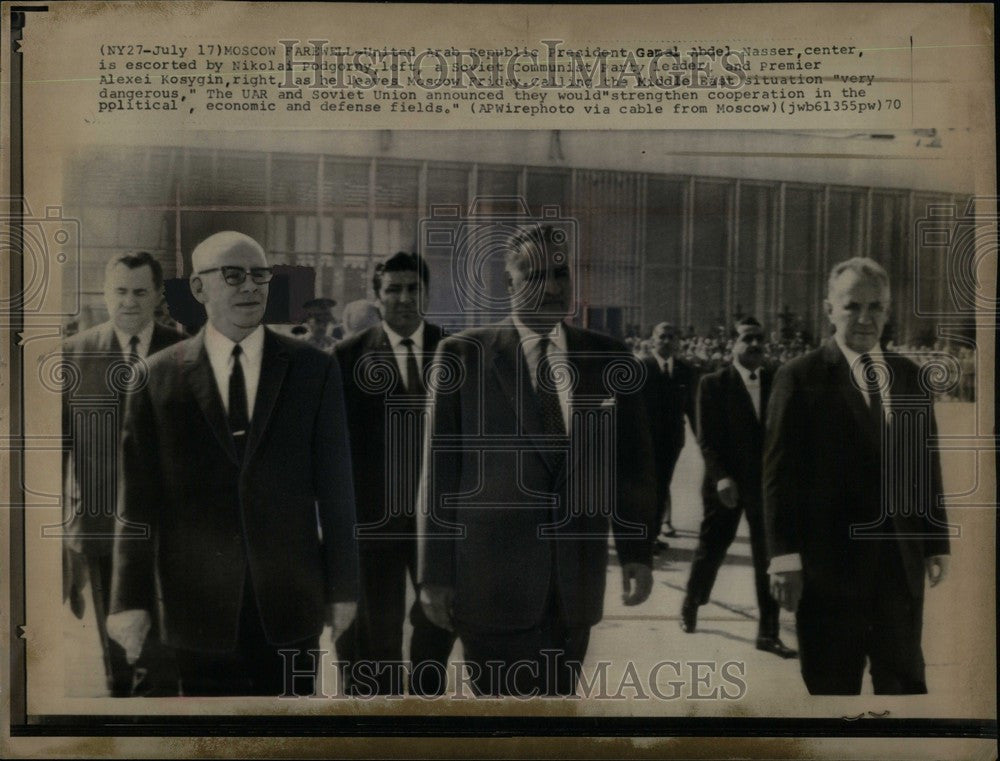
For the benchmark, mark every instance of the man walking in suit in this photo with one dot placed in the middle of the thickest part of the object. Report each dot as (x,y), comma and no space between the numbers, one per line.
(731,409)
(514,519)
(386,398)
(235,457)
(133,287)
(852,492)
(670,392)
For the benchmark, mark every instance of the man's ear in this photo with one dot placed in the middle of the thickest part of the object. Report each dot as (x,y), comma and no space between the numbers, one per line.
(827,308)
(197,289)
(508,281)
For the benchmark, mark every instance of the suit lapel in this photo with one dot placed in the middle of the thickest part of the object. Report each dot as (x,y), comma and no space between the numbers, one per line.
(511,372)
(198,375)
(273,367)
(160,340)
(432,336)
(380,345)
(765,392)
(840,377)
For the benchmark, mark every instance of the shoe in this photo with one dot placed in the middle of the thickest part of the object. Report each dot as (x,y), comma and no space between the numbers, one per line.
(776,646)
(689,617)
(659,545)
(669,530)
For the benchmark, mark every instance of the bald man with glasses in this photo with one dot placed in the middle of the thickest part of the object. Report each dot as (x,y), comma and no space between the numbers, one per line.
(235,457)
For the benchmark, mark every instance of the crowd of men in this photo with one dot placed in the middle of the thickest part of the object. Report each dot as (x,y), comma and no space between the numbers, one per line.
(710,352)
(264,487)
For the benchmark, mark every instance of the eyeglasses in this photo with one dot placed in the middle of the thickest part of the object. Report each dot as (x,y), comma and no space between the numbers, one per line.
(238,275)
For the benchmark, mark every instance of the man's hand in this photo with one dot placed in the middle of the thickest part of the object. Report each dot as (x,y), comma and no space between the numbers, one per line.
(786,588)
(637,583)
(339,616)
(937,568)
(129,629)
(436,600)
(729,495)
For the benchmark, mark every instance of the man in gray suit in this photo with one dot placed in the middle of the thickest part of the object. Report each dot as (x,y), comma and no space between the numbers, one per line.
(104,357)
(852,490)
(235,457)
(513,535)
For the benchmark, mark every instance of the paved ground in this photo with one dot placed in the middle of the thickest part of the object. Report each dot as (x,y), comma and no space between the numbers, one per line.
(647,635)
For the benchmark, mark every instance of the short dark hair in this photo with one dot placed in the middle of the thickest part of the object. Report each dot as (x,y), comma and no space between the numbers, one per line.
(134,262)
(402,261)
(533,238)
(747,323)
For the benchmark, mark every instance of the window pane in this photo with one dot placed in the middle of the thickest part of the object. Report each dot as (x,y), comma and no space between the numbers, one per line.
(293,182)
(241,180)
(345,185)
(355,235)
(306,234)
(711,223)
(277,233)
(448,187)
(745,294)
(326,240)
(547,189)
(664,222)
(845,224)
(396,187)
(800,230)
(198,179)
(707,299)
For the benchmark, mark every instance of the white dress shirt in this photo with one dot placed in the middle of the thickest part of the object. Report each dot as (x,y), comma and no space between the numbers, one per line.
(557,350)
(70,485)
(220,357)
(857,371)
(145,339)
(666,365)
(400,352)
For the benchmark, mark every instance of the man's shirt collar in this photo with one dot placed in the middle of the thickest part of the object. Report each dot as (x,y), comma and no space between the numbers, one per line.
(417,336)
(557,336)
(220,347)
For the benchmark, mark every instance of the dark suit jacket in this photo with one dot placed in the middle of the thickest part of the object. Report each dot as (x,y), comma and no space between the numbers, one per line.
(212,519)
(823,471)
(94,409)
(487,474)
(730,435)
(367,390)
(668,400)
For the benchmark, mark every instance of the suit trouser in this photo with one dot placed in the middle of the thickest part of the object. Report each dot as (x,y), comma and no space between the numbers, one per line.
(884,624)
(154,674)
(372,646)
(255,667)
(664,475)
(543,660)
(718,529)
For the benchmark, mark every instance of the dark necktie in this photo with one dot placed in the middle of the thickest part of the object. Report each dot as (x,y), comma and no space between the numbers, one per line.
(871,376)
(552,418)
(414,382)
(239,418)
(133,350)
(753,375)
